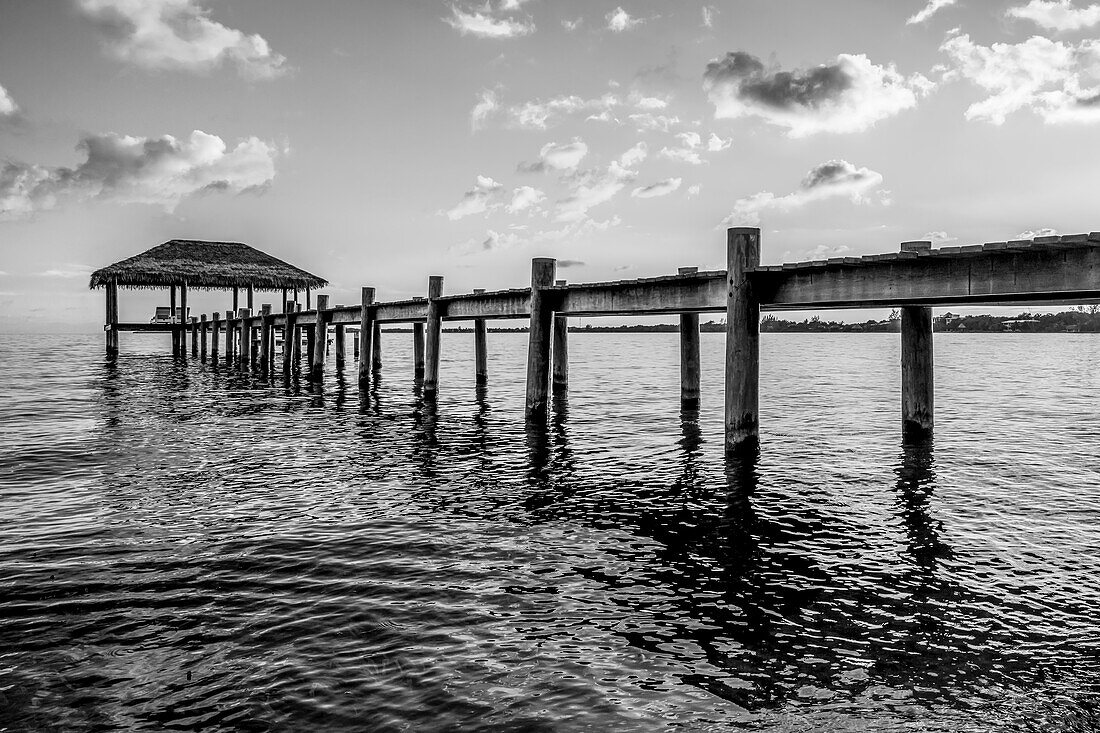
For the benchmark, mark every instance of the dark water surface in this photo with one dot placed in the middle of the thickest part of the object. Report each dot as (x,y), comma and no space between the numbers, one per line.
(185,547)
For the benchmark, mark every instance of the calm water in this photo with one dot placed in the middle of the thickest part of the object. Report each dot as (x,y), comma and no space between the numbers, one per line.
(184,547)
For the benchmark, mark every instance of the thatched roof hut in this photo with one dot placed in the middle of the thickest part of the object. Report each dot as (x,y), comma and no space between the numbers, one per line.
(205,265)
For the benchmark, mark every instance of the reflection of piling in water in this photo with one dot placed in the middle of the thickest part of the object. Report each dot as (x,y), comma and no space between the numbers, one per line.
(915,486)
(1046,269)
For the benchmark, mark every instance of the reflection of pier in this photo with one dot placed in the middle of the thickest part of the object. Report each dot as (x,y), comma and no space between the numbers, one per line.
(1044,270)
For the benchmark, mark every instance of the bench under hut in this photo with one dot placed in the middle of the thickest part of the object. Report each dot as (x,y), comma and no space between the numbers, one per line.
(191,263)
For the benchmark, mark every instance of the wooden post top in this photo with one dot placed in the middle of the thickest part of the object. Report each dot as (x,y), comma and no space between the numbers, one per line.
(435,286)
(266,309)
(560,282)
(322,302)
(543,270)
(687,270)
(478,291)
(921,245)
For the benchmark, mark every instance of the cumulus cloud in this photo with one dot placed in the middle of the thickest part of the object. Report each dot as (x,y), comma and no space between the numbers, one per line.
(524,198)
(542,114)
(619,21)
(178,34)
(139,170)
(660,188)
(1058,81)
(848,95)
(939,237)
(555,157)
(688,149)
(592,188)
(836,178)
(1033,233)
(487,105)
(571,25)
(486,25)
(8,107)
(694,190)
(634,155)
(709,11)
(566,264)
(1057,15)
(933,7)
(716,144)
(477,200)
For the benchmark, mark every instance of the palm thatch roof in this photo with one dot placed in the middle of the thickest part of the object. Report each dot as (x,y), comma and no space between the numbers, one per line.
(206,265)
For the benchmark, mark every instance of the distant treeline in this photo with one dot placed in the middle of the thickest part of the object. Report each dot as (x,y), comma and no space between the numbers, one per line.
(1083,319)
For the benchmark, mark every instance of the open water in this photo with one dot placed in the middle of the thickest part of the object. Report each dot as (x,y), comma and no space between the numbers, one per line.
(184,547)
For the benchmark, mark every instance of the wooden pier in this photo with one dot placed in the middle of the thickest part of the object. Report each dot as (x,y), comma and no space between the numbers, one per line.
(1046,270)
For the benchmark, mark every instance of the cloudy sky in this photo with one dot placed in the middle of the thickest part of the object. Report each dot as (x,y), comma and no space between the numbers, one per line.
(377,143)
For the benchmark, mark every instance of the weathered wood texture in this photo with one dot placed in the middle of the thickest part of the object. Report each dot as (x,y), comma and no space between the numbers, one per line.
(172,320)
(246,338)
(184,319)
(559,379)
(320,343)
(265,338)
(194,328)
(229,337)
(917,381)
(340,345)
(742,341)
(998,272)
(376,348)
(433,330)
(112,320)
(539,338)
(202,337)
(689,353)
(215,334)
(366,327)
(481,350)
(418,350)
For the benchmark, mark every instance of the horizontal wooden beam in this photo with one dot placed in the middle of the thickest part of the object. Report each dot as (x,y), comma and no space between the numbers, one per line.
(402,311)
(690,293)
(1035,274)
(501,304)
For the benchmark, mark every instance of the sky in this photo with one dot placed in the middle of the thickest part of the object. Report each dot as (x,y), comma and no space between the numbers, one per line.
(377,143)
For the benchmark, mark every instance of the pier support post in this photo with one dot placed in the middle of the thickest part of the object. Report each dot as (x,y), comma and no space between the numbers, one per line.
(366,328)
(418,350)
(917,388)
(689,354)
(172,320)
(246,338)
(194,335)
(433,330)
(251,292)
(376,348)
(543,270)
(560,379)
(340,345)
(289,334)
(296,347)
(320,341)
(214,334)
(265,338)
(481,355)
(185,319)
(202,337)
(229,329)
(112,319)
(742,341)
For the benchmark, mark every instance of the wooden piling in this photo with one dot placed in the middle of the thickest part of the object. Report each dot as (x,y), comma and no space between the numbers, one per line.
(215,326)
(917,381)
(376,348)
(689,353)
(418,350)
(296,347)
(246,338)
(317,371)
(229,332)
(236,305)
(433,329)
(265,337)
(172,320)
(560,377)
(289,334)
(251,293)
(543,270)
(340,345)
(202,337)
(184,319)
(112,319)
(194,335)
(742,341)
(366,328)
(481,351)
